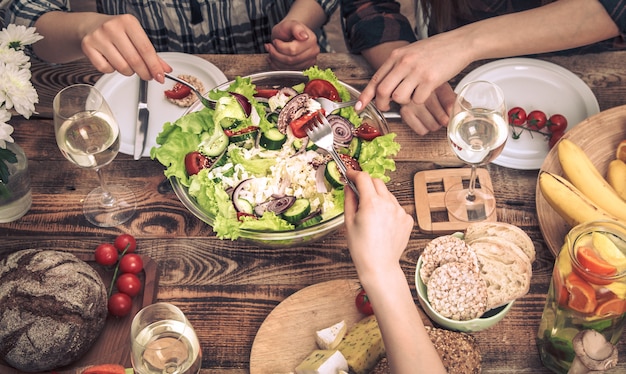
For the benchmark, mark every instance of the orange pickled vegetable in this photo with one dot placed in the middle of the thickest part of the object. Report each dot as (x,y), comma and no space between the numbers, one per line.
(614,306)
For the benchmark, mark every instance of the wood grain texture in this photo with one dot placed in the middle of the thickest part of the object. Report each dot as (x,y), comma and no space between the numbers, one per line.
(227,288)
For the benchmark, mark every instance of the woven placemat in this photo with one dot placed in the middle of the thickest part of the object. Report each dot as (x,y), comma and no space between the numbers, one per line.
(430,189)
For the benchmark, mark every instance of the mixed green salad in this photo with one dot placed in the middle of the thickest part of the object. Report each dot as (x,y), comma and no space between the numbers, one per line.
(249,164)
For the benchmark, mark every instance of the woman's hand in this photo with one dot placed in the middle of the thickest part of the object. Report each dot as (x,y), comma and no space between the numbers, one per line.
(293,46)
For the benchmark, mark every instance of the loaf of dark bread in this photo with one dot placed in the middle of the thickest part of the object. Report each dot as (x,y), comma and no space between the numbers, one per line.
(53,306)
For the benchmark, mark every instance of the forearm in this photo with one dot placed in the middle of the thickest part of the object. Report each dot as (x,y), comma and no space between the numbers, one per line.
(63,33)
(560,25)
(309,12)
(408,347)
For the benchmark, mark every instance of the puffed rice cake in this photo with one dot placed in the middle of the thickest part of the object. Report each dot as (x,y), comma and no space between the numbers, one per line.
(457,291)
(445,249)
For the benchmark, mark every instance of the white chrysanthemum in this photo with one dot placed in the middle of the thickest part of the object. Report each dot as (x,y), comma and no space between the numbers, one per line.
(16,90)
(18,36)
(5,129)
(12,57)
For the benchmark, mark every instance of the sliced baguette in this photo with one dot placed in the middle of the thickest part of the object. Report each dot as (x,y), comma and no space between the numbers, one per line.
(504,267)
(503,230)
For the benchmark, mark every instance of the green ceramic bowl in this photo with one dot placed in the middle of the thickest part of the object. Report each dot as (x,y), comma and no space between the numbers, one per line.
(487,320)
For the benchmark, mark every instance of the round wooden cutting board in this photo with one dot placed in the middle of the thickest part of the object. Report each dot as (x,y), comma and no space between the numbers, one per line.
(598,136)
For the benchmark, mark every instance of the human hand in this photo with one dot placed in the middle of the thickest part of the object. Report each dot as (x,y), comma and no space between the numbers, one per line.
(293,46)
(413,72)
(433,114)
(119,43)
(378,228)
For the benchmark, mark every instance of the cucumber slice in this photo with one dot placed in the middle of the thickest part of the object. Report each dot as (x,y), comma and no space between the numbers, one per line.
(272,139)
(297,145)
(215,144)
(354,149)
(297,211)
(245,206)
(311,221)
(332,174)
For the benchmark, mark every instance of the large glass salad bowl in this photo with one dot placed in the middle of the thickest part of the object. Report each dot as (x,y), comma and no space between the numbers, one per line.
(278,235)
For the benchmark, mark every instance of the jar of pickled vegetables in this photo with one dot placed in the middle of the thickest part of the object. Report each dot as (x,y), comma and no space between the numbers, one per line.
(587,291)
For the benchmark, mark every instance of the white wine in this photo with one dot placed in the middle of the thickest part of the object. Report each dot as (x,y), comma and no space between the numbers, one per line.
(166,347)
(479,136)
(89,139)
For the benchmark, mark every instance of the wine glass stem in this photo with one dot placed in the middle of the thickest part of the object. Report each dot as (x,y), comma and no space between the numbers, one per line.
(107,198)
(472,184)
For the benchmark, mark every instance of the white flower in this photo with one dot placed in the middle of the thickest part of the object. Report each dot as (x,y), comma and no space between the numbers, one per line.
(5,129)
(18,36)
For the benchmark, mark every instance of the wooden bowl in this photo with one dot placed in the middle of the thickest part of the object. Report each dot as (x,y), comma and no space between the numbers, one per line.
(598,136)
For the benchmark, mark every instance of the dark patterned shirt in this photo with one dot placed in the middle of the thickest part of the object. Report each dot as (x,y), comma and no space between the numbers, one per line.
(189,26)
(367,23)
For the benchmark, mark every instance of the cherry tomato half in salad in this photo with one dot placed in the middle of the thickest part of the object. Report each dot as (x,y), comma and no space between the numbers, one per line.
(179,91)
(536,120)
(196,161)
(517,116)
(125,242)
(363,303)
(322,88)
(367,132)
(557,123)
(265,92)
(350,162)
(299,125)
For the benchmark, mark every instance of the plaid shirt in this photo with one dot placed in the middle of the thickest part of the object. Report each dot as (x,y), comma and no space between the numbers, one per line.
(367,23)
(189,26)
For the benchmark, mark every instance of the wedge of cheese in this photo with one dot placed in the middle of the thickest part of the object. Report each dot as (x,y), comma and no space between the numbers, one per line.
(363,345)
(330,337)
(323,362)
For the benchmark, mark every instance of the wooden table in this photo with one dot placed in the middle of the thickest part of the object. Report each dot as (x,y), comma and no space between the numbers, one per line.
(228,288)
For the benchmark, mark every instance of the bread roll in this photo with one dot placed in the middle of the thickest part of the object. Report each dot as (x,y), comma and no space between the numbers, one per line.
(53,306)
(512,233)
(504,267)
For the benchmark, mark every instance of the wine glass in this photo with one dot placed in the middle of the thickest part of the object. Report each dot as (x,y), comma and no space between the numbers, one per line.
(89,136)
(164,342)
(477,133)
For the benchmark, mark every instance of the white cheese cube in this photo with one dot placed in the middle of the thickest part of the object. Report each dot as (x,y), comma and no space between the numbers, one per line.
(330,337)
(323,362)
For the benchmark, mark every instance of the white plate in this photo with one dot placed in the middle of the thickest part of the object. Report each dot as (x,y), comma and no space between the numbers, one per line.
(535,85)
(121,92)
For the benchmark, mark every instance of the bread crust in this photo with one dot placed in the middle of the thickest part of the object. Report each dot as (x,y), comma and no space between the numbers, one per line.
(512,233)
(52,309)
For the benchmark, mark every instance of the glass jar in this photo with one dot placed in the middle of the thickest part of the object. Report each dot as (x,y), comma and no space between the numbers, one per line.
(15,196)
(587,291)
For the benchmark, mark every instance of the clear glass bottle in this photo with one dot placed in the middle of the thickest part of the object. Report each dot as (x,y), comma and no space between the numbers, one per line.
(15,196)
(587,291)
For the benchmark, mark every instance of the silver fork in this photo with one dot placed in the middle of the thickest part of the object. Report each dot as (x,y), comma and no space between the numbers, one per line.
(330,106)
(204,100)
(322,135)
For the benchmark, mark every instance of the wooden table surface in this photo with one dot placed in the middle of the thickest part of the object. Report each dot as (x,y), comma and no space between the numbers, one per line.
(227,288)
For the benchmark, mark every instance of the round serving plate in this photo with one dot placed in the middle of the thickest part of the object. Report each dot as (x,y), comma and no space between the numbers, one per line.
(598,136)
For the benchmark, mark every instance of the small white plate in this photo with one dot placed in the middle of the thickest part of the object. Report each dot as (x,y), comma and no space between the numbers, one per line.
(535,85)
(121,92)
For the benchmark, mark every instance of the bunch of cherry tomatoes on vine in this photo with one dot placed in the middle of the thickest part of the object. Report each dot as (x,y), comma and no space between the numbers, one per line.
(126,264)
(537,121)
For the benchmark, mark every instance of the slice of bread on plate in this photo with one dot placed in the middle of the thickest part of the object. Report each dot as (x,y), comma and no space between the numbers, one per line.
(504,267)
(512,233)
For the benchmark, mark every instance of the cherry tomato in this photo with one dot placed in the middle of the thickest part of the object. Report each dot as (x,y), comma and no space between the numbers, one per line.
(120,304)
(265,92)
(363,303)
(557,123)
(106,254)
(554,138)
(367,131)
(536,120)
(517,116)
(245,130)
(196,161)
(322,88)
(125,242)
(179,91)
(299,125)
(131,263)
(129,284)
(242,215)
(350,162)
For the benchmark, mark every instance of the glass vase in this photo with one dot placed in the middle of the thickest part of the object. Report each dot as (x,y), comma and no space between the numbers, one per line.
(15,196)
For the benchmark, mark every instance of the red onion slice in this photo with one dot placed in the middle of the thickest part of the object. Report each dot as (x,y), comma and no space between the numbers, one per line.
(277,206)
(320,180)
(244,102)
(237,191)
(342,130)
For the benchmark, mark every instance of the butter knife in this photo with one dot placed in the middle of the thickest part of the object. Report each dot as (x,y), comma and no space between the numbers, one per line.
(142,120)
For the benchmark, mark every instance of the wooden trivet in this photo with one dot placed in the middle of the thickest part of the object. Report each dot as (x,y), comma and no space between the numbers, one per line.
(430,189)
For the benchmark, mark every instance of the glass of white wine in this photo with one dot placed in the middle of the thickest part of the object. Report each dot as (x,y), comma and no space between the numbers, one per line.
(164,342)
(477,133)
(88,135)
